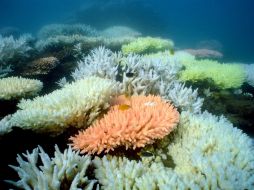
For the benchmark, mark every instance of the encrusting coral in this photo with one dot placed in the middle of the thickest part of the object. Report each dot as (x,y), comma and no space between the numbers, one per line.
(67,170)
(76,104)
(131,122)
(18,87)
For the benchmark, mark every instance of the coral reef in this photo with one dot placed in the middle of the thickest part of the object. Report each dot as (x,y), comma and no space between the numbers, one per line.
(76,104)
(249,70)
(205,53)
(119,31)
(53,30)
(207,152)
(144,45)
(132,122)
(222,75)
(11,48)
(140,75)
(5,70)
(41,66)
(18,87)
(65,170)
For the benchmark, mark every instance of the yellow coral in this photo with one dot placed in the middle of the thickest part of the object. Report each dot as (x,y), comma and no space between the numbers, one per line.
(147,45)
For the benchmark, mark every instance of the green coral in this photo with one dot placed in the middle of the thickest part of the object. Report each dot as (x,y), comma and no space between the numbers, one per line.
(224,76)
(145,45)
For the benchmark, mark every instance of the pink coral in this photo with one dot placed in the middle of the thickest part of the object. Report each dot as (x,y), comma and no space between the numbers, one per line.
(131,122)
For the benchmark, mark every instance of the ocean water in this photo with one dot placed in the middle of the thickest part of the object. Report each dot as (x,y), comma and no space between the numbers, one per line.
(50,40)
(187,22)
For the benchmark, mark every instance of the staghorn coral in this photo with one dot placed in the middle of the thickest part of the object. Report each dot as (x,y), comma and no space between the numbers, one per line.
(184,98)
(141,75)
(100,62)
(249,71)
(76,104)
(11,49)
(18,87)
(5,70)
(144,45)
(133,123)
(65,170)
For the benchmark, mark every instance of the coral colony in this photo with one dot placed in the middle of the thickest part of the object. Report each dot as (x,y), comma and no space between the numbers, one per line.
(131,107)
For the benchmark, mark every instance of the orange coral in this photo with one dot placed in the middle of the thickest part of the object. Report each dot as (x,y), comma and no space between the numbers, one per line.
(131,122)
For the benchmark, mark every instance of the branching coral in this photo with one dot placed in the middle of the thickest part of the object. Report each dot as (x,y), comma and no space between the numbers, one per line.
(133,123)
(66,170)
(249,70)
(76,104)
(141,75)
(184,98)
(53,30)
(17,87)
(11,48)
(144,45)
(121,173)
(100,62)
(5,70)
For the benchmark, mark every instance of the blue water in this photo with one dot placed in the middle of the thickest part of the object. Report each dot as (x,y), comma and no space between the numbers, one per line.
(230,23)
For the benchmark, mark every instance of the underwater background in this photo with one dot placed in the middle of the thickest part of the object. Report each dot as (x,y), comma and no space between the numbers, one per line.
(189,23)
(72,69)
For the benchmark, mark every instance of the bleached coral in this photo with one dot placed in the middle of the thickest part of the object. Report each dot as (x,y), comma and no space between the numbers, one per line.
(207,152)
(53,30)
(4,70)
(122,173)
(120,31)
(67,169)
(11,48)
(76,104)
(18,87)
(140,75)
(5,126)
(212,153)
(100,62)
(183,97)
(249,71)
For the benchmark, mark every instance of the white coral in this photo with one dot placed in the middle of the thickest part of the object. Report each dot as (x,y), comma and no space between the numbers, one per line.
(11,48)
(18,87)
(207,153)
(249,70)
(140,75)
(64,169)
(76,104)
(100,62)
